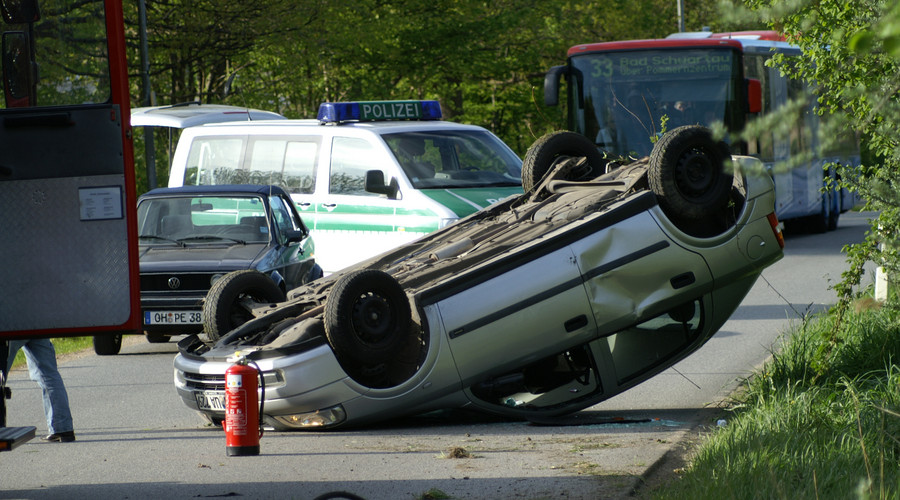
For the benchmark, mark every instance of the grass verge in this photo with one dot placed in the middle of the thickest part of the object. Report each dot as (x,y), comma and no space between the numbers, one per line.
(821,419)
(66,345)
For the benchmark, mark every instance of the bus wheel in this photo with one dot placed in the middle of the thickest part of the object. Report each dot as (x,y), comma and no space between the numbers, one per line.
(687,173)
(367,317)
(554,147)
(230,301)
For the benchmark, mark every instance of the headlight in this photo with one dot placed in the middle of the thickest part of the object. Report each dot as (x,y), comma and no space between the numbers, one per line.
(320,418)
(214,278)
(179,378)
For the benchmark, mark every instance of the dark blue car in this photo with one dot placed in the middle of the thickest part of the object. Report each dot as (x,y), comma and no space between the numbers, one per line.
(190,237)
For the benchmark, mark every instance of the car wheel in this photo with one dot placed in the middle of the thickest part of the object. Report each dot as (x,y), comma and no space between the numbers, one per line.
(548,150)
(228,303)
(156,338)
(687,173)
(107,345)
(367,317)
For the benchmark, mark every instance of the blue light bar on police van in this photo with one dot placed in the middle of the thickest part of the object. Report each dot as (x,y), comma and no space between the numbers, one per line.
(366,111)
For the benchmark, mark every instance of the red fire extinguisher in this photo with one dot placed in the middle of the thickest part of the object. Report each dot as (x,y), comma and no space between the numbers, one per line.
(243,422)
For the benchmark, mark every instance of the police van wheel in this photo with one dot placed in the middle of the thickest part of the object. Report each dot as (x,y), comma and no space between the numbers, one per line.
(107,345)
(549,150)
(230,300)
(367,317)
(687,173)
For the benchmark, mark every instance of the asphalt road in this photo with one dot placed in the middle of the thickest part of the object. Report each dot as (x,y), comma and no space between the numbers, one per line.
(137,440)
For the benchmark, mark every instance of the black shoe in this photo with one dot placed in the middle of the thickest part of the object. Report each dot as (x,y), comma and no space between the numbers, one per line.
(62,437)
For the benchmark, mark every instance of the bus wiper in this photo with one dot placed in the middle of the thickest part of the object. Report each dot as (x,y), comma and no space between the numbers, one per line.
(158,237)
(210,237)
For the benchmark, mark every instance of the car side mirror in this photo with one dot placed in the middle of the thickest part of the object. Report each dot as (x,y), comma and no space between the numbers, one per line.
(754,95)
(294,236)
(375,184)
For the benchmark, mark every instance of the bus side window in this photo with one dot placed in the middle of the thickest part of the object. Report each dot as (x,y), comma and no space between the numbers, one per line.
(755,67)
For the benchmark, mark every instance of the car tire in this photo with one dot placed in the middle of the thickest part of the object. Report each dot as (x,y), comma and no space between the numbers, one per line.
(156,338)
(367,317)
(549,149)
(687,173)
(222,309)
(107,345)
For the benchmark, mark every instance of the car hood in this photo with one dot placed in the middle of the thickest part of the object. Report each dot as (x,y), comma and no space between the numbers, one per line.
(465,201)
(199,257)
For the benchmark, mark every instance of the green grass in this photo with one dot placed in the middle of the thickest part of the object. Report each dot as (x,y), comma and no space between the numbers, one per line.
(65,345)
(820,420)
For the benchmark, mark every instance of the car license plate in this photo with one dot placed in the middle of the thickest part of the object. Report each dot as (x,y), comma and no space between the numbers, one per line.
(210,400)
(173,317)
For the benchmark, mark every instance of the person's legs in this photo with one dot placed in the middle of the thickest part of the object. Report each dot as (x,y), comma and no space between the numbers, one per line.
(41,357)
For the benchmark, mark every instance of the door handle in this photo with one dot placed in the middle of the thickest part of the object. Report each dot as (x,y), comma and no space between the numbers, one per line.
(576,323)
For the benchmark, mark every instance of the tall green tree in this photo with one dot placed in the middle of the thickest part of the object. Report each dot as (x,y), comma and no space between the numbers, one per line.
(850,56)
(484,61)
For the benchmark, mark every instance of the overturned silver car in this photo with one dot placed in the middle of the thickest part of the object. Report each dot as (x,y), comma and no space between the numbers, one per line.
(598,277)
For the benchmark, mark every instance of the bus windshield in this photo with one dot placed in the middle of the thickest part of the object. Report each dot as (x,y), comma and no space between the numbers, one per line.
(621,99)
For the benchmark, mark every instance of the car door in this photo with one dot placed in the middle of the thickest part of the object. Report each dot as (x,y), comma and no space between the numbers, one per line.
(644,290)
(533,310)
(351,223)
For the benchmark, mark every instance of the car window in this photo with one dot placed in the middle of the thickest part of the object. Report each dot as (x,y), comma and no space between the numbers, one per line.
(286,162)
(642,347)
(351,158)
(284,218)
(213,160)
(454,158)
(202,219)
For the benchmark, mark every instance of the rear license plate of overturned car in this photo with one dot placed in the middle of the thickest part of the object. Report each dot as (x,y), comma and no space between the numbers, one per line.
(210,400)
(173,317)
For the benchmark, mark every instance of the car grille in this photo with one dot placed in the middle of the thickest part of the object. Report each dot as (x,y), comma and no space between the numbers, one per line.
(186,282)
(200,382)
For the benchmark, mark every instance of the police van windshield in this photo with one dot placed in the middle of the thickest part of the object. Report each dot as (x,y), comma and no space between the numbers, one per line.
(455,159)
(623,98)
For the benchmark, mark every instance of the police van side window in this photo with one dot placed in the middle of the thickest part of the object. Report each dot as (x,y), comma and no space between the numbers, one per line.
(213,160)
(282,161)
(300,159)
(351,158)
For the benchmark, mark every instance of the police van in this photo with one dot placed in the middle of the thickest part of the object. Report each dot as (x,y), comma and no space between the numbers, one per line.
(365,176)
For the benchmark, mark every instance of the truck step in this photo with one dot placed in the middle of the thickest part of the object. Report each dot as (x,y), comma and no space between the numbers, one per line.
(12,437)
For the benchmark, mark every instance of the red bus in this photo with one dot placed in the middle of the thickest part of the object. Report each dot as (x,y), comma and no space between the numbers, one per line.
(621,94)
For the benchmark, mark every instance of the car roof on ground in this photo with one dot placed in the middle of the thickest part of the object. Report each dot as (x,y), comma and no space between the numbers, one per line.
(218,189)
(191,114)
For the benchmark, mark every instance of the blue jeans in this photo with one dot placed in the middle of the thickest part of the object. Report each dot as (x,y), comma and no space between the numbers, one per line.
(41,357)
